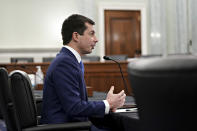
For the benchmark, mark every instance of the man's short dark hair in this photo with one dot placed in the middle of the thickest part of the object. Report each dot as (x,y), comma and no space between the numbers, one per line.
(74,23)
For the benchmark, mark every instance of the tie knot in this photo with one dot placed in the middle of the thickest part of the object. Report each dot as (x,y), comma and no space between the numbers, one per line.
(82,66)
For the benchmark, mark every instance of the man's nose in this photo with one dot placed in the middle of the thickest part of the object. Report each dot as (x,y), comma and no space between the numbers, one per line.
(95,39)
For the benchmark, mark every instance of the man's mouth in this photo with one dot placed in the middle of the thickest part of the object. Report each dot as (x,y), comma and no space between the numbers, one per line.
(93,46)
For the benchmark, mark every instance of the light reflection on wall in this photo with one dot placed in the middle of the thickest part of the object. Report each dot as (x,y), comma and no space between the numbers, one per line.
(155,35)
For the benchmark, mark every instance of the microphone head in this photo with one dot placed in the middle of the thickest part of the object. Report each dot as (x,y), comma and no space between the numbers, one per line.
(106,58)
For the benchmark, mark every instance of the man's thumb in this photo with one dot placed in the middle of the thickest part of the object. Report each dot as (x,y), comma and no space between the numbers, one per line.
(111,89)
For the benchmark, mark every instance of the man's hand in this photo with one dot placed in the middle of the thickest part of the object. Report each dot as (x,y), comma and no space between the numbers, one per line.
(115,100)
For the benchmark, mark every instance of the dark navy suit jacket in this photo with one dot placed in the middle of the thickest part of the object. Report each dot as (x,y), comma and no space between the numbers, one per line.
(64,94)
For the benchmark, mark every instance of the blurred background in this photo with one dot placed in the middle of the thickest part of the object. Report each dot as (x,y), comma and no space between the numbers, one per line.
(32,28)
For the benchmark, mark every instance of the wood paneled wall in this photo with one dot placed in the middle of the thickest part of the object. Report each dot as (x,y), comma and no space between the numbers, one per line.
(99,75)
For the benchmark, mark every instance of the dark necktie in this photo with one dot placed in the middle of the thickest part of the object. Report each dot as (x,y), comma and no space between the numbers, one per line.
(84,86)
(81,66)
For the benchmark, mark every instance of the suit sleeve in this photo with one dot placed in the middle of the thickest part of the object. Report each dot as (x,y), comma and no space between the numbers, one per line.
(67,78)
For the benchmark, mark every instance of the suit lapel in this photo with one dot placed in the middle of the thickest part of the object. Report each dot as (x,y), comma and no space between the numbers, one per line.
(65,51)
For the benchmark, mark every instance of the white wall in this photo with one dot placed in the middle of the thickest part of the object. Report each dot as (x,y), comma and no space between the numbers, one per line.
(33,23)
(193,32)
(32,28)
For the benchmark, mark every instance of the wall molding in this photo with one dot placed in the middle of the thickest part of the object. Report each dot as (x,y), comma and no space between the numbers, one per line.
(28,50)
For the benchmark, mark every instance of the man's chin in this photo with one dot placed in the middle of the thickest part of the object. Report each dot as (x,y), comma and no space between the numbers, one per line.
(88,52)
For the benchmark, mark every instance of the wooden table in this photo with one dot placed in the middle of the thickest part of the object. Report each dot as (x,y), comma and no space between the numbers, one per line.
(98,75)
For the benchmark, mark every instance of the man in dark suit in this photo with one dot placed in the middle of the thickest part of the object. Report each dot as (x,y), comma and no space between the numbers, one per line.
(64,94)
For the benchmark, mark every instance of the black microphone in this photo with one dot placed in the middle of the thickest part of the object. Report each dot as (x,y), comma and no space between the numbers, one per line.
(125,85)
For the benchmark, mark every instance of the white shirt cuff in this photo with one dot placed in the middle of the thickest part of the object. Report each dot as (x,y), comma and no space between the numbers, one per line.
(106,106)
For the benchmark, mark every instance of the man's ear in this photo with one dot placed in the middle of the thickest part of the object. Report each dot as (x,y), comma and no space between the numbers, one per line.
(75,36)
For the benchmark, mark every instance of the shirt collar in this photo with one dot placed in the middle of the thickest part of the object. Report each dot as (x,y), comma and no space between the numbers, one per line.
(76,54)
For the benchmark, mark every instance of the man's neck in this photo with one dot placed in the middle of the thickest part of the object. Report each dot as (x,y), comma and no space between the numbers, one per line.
(73,45)
(75,53)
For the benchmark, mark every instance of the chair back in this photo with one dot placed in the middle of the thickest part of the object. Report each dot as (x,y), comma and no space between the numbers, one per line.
(47,59)
(22,59)
(7,107)
(165,91)
(23,97)
(18,108)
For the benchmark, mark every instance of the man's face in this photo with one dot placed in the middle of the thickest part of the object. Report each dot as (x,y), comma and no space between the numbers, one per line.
(88,40)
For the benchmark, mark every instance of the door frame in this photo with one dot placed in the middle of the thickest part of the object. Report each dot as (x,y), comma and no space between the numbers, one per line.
(102,6)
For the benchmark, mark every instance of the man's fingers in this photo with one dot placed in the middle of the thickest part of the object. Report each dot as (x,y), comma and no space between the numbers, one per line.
(114,110)
(123,96)
(121,93)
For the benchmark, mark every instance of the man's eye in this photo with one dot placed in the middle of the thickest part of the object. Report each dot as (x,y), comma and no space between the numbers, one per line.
(92,33)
